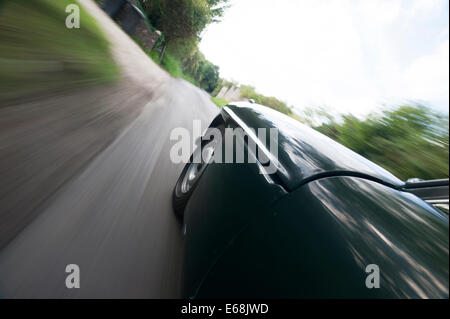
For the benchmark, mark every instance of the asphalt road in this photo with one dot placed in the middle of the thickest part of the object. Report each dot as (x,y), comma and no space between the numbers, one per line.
(105,205)
(114,220)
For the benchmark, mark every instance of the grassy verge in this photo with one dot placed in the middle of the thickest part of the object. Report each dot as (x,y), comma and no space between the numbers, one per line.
(220,102)
(39,55)
(172,65)
(169,63)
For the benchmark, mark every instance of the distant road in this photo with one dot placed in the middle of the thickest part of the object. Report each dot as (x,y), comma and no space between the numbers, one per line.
(114,218)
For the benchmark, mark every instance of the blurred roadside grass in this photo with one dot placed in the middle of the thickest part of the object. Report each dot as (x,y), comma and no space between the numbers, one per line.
(169,62)
(39,55)
(220,102)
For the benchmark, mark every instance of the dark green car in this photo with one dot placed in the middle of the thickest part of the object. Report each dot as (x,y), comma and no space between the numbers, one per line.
(324,225)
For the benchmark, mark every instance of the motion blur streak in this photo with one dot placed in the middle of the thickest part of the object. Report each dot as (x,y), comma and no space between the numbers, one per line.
(86,179)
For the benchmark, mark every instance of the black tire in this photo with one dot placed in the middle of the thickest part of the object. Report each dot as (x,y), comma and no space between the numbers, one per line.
(179,197)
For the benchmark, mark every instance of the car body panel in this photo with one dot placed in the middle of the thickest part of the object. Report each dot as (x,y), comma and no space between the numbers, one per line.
(310,229)
(221,206)
(317,241)
(303,153)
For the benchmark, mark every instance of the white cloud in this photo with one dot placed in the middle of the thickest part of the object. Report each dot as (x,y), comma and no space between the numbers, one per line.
(423,7)
(427,77)
(379,12)
(351,55)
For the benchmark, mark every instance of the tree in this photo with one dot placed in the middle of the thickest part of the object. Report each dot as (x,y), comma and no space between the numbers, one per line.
(217,8)
(410,141)
(249,92)
(183,19)
(208,75)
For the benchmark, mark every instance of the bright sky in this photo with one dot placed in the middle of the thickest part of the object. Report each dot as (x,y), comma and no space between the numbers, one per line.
(348,55)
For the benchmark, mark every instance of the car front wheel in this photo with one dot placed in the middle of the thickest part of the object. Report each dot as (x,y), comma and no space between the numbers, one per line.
(190,176)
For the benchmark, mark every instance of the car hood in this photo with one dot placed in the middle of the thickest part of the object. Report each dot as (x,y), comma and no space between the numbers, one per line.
(303,153)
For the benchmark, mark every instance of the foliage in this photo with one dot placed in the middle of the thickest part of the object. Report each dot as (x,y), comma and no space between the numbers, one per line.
(154,55)
(270,101)
(220,102)
(34,60)
(207,75)
(172,65)
(183,19)
(169,62)
(181,22)
(314,116)
(193,64)
(409,141)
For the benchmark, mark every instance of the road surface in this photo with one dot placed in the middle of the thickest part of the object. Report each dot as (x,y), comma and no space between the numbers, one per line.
(114,218)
